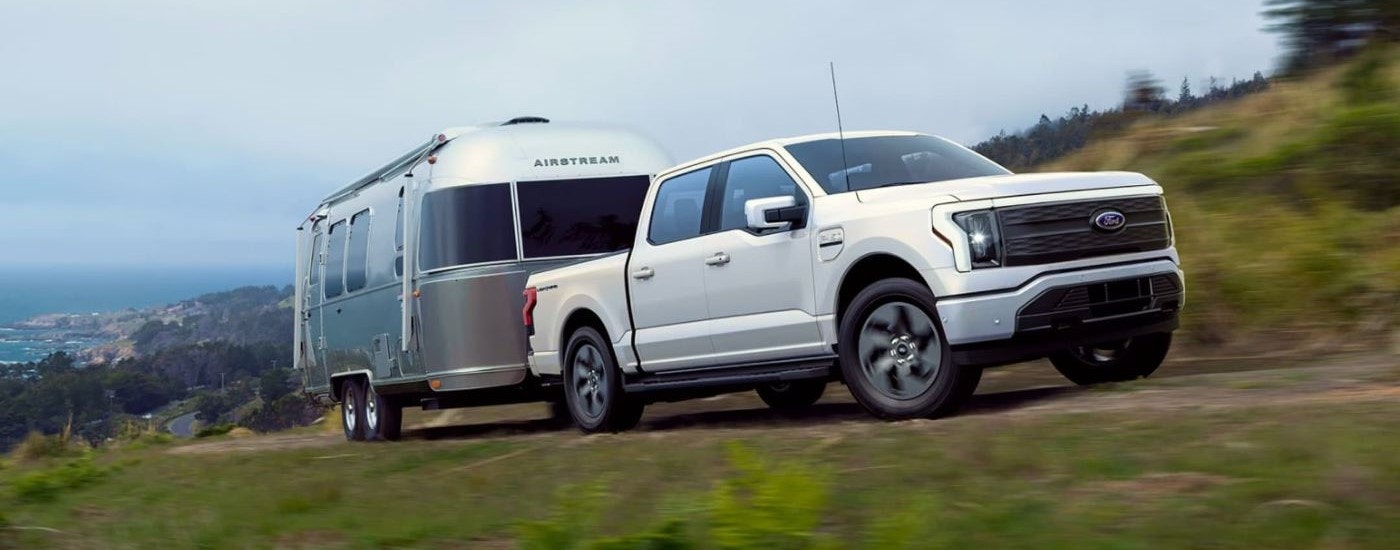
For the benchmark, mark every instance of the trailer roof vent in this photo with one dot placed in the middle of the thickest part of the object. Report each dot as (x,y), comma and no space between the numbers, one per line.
(526,120)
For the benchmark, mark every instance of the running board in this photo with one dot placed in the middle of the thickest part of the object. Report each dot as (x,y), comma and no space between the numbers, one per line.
(746,375)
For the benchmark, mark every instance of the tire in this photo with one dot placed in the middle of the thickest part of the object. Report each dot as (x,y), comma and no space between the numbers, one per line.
(894,356)
(1119,361)
(593,386)
(352,410)
(787,396)
(383,416)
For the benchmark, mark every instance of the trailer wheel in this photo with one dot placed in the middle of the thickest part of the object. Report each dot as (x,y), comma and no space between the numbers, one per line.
(1113,362)
(593,386)
(352,410)
(383,417)
(894,357)
(786,396)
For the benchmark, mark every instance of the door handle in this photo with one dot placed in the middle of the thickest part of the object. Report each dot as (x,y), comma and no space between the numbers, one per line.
(719,258)
(643,273)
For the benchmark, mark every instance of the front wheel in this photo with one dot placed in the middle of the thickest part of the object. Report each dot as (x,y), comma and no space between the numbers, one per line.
(352,410)
(1117,361)
(593,386)
(786,396)
(894,357)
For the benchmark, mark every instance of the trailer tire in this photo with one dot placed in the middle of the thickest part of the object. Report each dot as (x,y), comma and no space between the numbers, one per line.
(894,356)
(352,410)
(593,386)
(383,416)
(1121,361)
(789,396)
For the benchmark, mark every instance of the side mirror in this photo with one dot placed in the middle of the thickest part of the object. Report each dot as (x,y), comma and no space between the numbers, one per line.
(775,213)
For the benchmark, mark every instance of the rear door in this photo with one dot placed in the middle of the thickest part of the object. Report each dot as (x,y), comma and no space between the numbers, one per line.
(666,278)
(759,284)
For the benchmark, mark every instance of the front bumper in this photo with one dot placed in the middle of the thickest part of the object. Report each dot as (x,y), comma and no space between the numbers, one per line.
(1060,309)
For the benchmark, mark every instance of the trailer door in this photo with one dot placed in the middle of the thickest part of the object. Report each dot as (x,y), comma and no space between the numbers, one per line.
(311,320)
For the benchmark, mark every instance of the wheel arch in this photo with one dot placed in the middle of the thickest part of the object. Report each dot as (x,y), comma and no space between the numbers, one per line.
(579,318)
(868,270)
(339,380)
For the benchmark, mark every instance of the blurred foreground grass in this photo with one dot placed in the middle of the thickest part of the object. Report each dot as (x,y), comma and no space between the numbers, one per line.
(1222,470)
(1286,204)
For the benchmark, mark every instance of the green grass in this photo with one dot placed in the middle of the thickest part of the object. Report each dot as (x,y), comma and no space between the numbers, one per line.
(1282,477)
(1286,204)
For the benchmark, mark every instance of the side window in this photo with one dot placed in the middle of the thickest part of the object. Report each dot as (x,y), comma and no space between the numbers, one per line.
(313,272)
(358,251)
(335,260)
(466,225)
(753,178)
(398,238)
(679,202)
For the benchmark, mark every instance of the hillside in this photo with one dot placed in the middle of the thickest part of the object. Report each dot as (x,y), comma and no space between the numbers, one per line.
(1286,205)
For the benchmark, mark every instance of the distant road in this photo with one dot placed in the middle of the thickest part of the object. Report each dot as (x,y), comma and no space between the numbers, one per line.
(183,425)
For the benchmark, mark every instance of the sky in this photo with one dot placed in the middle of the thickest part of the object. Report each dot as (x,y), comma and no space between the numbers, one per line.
(199,134)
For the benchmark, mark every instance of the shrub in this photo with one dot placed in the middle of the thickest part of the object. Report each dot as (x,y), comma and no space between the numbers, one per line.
(47,484)
(37,446)
(216,429)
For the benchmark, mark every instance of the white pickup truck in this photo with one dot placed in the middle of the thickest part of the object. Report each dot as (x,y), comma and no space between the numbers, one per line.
(899,263)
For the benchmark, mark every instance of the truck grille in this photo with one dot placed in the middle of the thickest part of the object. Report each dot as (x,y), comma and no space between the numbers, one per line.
(1058,232)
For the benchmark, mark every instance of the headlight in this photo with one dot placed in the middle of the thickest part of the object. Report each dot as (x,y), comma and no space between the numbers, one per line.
(983,239)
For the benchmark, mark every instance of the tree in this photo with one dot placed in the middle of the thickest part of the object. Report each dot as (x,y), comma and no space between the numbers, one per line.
(1185,95)
(275,383)
(1318,31)
(1144,92)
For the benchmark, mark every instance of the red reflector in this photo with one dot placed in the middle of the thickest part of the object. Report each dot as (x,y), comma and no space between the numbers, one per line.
(529,312)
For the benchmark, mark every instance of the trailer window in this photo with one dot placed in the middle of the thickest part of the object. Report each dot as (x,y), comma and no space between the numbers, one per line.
(358,251)
(335,260)
(467,225)
(313,273)
(582,216)
(398,238)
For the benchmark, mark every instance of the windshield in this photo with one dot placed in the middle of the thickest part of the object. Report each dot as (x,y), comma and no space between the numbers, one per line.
(883,161)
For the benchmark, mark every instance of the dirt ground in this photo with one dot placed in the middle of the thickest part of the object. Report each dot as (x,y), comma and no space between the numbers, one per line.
(1018,391)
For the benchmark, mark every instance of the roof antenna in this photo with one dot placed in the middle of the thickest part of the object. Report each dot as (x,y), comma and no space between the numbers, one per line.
(840,133)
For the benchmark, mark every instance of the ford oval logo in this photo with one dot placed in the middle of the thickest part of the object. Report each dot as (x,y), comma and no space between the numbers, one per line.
(1109,220)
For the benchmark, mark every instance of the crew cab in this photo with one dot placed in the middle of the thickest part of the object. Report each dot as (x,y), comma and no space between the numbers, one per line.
(901,264)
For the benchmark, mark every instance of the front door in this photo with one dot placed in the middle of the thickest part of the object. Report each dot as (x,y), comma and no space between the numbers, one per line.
(759,284)
(666,278)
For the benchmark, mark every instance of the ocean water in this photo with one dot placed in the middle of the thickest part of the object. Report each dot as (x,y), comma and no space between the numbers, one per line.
(22,346)
(29,291)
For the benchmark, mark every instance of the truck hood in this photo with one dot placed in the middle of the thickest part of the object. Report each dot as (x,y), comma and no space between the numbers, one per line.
(989,187)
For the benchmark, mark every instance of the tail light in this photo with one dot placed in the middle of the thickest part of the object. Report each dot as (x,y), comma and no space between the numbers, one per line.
(528,313)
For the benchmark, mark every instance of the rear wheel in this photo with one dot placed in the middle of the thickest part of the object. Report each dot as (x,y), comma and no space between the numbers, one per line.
(894,357)
(593,386)
(352,410)
(383,417)
(792,395)
(1118,361)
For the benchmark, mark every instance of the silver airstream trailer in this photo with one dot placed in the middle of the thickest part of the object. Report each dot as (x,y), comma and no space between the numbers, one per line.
(410,280)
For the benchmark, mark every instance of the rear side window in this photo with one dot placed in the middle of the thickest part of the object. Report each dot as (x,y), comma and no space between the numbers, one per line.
(753,178)
(583,216)
(467,225)
(335,260)
(358,252)
(679,202)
